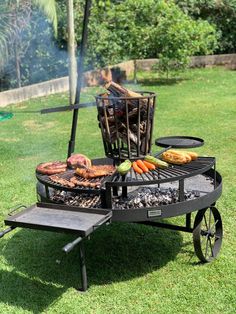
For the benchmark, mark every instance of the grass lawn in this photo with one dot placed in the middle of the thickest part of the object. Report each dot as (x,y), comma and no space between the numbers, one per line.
(131,268)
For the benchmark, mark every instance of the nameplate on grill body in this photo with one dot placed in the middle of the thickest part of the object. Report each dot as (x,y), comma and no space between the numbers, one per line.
(154,213)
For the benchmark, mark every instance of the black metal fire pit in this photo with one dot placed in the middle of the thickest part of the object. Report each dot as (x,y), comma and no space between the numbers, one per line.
(161,193)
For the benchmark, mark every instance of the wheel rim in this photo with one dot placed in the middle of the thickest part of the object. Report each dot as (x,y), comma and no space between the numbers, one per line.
(207,234)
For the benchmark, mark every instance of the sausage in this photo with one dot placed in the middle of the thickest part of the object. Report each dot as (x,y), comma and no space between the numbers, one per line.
(53,167)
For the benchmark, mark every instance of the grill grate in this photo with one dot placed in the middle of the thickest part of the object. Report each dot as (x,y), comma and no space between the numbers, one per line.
(172,173)
(45,179)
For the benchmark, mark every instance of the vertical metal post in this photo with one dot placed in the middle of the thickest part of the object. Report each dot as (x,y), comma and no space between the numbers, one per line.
(47,191)
(83,267)
(108,194)
(148,135)
(127,129)
(71,145)
(138,132)
(124,188)
(188,221)
(152,121)
(181,190)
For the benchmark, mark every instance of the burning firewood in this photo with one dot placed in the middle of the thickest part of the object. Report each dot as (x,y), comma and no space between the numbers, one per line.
(126,117)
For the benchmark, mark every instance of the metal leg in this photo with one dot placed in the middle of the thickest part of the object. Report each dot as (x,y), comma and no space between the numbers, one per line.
(188,220)
(115,190)
(83,267)
(124,191)
(108,197)
(124,188)
(181,190)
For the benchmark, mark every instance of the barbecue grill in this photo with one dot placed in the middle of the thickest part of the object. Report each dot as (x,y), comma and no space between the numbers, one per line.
(139,198)
(81,210)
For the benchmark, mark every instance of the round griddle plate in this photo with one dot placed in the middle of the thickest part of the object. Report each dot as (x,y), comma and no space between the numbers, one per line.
(179,141)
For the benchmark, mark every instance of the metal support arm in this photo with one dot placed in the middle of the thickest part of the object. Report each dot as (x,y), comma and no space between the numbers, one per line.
(2,233)
(70,246)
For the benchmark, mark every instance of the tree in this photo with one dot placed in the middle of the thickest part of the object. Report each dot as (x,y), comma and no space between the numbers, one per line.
(147,29)
(221,13)
(177,37)
(132,23)
(15,17)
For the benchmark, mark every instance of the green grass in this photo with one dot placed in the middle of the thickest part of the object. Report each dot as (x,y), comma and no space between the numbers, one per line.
(131,268)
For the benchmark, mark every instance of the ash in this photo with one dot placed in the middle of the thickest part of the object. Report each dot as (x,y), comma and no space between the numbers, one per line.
(81,200)
(140,198)
(152,197)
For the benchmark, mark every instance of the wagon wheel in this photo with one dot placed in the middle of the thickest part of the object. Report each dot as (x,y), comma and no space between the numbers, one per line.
(207,234)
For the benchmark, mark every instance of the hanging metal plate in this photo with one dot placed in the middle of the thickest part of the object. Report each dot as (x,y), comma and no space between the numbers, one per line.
(179,141)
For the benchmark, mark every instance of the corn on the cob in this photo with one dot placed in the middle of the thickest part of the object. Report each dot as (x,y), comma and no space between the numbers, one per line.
(155,161)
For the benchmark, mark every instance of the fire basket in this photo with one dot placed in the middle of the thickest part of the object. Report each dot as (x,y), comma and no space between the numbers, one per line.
(126,122)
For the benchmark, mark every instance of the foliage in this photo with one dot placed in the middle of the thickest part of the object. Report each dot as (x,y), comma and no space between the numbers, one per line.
(15,27)
(12,19)
(44,58)
(50,10)
(177,37)
(133,29)
(147,29)
(118,30)
(221,13)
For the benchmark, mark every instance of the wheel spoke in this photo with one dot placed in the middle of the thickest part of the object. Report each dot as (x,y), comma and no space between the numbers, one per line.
(205,221)
(212,254)
(206,248)
(209,217)
(214,224)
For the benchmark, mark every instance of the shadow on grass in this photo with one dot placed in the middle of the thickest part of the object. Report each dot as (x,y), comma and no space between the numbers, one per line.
(28,294)
(116,253)
(161,81)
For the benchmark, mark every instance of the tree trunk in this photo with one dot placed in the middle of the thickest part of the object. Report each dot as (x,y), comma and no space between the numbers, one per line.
(17,66)
(71,52)
(16,53)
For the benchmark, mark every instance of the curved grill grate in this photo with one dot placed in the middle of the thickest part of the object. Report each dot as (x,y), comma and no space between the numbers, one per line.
(45,179)
(172,173)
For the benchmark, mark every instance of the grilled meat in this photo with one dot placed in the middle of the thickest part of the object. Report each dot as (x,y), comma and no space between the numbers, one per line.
(88,184)
(62,181)
(51,167)
(78,160)
(95,171)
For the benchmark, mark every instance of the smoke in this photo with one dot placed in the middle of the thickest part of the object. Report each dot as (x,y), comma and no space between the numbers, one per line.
(36,55)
